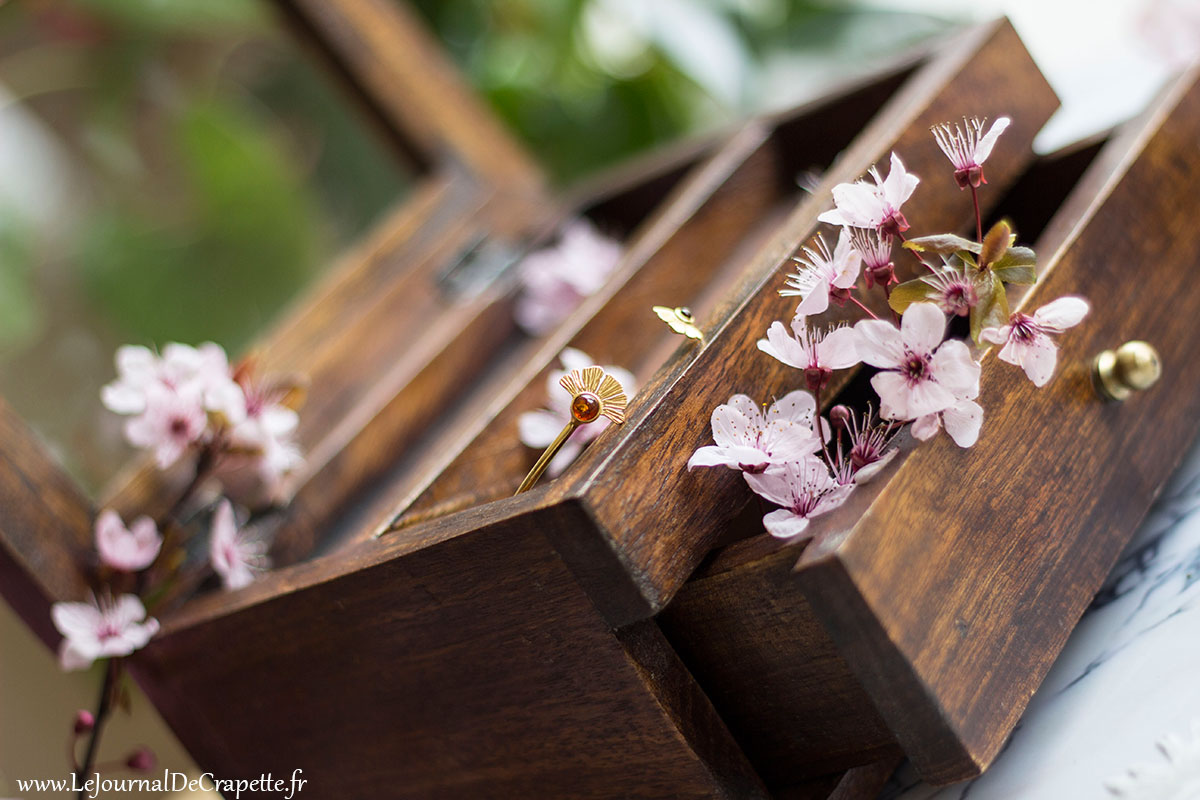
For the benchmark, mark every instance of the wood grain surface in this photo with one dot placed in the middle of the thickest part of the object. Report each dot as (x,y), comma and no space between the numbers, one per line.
(472,667)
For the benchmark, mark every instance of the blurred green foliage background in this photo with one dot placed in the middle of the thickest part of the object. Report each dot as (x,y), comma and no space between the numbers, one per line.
(179,169)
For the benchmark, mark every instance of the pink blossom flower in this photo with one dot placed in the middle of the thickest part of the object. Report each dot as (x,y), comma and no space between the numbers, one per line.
(863,205)
(181,368)
(870,447)
(751,441)
(876,252)
(127,549)
(953,292)
(967,148)
(539,428)
(237,554)
(804,489)
(261,447)
(823,275)
(101,629)
(556,279)
(167,395)
(1026,339)
(962,420)
(171,423)
(815,351)
(922,374)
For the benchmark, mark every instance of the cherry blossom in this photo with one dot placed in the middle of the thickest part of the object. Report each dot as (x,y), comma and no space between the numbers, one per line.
(167,395)
(968,147)
(1026,339)
(128,549)
(185,370)
(870,446)
(865,205)
(921,373)
(875,249)
(260,448)
(749,440)
(823,275)
(237,554)
(804,489)
(103,628)
(815,351)
(171,423)
(953,291)
(539,428)
(556,279)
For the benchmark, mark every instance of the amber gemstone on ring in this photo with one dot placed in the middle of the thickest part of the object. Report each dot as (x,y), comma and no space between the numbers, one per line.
(585,407)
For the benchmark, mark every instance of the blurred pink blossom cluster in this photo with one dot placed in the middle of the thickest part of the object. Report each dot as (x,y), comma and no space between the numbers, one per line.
(556,279)
(190,399)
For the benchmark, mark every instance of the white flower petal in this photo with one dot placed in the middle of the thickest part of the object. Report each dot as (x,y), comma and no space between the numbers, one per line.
(538,428)
(879,343)
(926,427)
(922,327)
(899,185)
(1038,359)
(983,148)
(784,524)
(839,349)
(953,367)
(995,335)
(783,347)
(1063,313)
(795,406)
(772,485)
(963,421)
(730,427)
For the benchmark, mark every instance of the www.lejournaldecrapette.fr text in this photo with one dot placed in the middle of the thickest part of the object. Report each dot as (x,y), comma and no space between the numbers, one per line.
(168,781)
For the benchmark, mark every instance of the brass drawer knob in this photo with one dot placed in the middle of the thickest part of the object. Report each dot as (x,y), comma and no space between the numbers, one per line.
(1132,367)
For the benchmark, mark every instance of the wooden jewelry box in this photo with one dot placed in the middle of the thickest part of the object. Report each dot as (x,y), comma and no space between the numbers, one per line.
(628,630)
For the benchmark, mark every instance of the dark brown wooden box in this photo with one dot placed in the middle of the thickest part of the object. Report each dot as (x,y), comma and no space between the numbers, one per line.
(584,639)
(488,631)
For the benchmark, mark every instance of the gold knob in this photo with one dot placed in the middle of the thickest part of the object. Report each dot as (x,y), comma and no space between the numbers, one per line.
(1132,367)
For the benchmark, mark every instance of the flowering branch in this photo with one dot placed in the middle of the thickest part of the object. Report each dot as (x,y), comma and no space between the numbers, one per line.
(187,400)
(923,379)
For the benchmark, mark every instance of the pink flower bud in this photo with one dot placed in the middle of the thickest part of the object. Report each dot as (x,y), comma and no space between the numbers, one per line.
(84,721)
(839,417)
(141,760)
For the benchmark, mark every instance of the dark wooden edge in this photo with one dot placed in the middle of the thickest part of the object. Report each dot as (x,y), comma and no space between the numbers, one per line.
(45,529)
(690,709)
(947,742)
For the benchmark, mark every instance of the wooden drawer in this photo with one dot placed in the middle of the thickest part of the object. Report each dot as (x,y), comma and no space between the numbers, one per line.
(926,612)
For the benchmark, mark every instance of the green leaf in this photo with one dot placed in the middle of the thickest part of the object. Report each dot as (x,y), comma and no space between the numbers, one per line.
(942,243)
(992,309)
(1016,257)
(908,293)
(1023,275)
